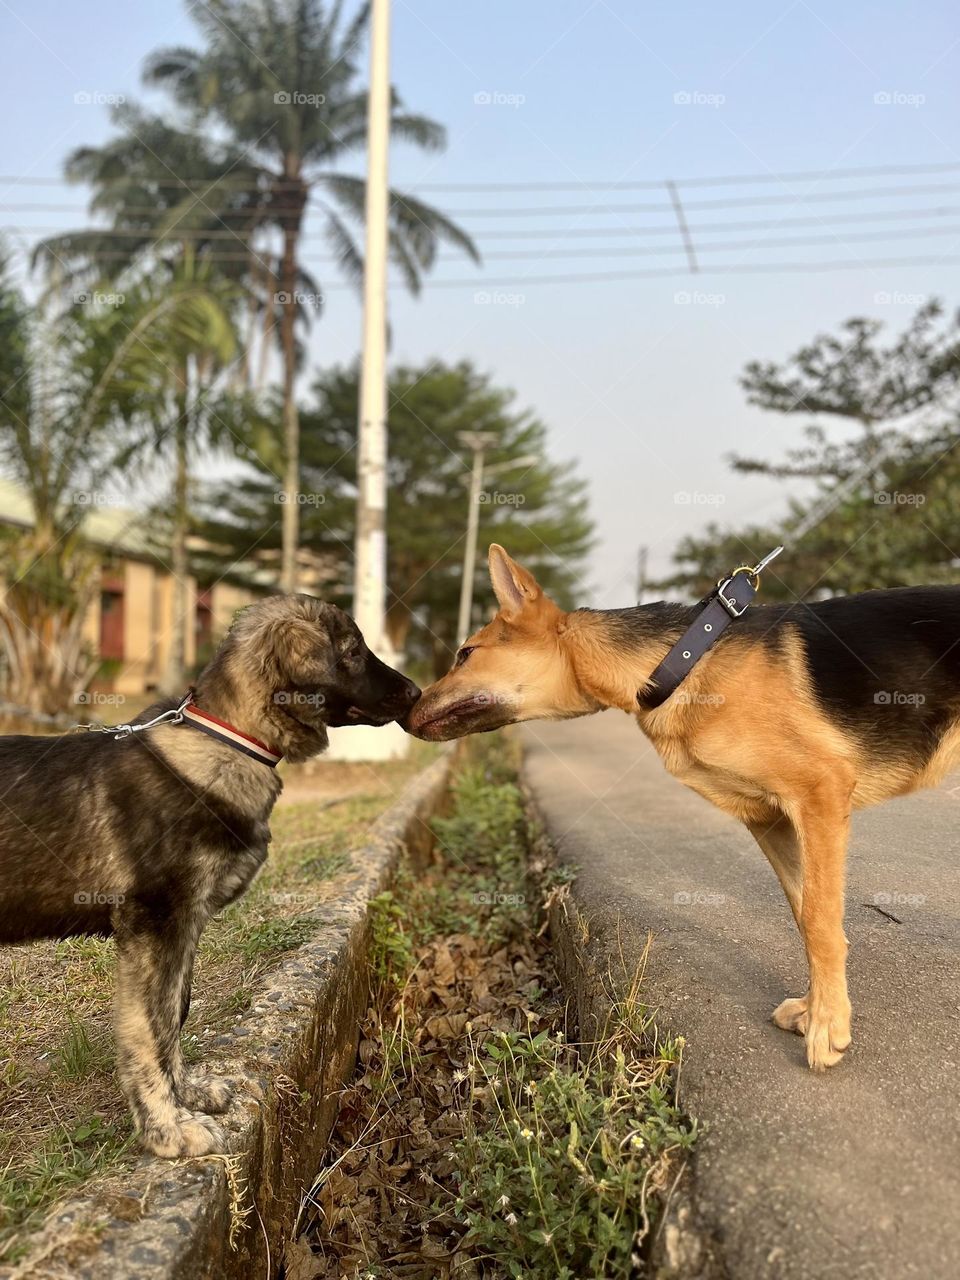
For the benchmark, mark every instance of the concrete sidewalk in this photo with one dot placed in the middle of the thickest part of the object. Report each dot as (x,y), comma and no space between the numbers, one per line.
(854,1173)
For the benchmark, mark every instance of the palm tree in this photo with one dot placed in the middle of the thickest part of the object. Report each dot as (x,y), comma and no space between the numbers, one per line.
(280,77)
(155,219)
(172,373)
(78,390)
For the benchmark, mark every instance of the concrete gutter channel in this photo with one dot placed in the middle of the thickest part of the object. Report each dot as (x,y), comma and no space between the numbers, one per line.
(594,975)
(288,1055)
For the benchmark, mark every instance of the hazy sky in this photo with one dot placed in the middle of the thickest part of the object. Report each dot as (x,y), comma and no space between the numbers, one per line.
(635,377)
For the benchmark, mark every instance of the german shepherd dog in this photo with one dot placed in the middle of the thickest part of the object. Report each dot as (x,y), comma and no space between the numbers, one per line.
(799,714)
(148,836)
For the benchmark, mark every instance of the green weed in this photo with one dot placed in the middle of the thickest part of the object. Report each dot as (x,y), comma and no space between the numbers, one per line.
(79,1055)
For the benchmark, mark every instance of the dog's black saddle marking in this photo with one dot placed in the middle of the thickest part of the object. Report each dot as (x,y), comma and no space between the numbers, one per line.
(722,606)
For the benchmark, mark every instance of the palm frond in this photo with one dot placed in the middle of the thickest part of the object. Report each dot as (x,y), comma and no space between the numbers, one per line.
(349,257)
(419,130)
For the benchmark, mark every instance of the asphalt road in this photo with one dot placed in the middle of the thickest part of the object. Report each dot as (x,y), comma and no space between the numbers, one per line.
(852,1173)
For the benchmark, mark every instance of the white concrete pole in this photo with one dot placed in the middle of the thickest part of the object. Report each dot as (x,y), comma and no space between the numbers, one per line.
(370,556)
(370,564)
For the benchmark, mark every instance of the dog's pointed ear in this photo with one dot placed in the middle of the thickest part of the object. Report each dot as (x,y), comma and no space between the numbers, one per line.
(513,585)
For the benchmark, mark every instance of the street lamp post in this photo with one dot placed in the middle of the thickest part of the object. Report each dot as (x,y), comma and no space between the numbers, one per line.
(478,442)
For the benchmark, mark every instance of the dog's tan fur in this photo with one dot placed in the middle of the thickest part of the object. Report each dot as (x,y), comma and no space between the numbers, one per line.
(744,731)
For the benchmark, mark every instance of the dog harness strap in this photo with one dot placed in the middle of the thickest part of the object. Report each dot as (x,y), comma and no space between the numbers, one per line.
(725,603)
(219,729)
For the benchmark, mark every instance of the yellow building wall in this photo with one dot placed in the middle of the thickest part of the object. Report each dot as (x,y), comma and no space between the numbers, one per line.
(148,599)
(225,600)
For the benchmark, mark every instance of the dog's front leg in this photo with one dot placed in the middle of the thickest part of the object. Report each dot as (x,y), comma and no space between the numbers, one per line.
(152,958)
(823,823)
(196,1092)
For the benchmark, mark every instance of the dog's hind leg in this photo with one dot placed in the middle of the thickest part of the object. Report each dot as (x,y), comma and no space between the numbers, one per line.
(152,957)
(778,839)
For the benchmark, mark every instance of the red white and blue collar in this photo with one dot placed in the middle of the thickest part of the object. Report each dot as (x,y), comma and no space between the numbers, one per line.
(206,723)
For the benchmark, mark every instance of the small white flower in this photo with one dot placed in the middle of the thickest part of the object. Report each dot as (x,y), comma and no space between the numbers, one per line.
(526,1134)
(512,1219)
(503,1201)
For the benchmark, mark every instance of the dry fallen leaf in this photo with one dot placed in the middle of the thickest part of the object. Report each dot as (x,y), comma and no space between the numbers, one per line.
(300,1262)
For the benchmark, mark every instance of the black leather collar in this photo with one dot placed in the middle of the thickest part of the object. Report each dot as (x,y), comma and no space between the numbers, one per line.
(728,601)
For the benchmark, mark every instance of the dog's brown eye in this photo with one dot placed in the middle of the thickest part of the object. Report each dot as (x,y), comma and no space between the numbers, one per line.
(463,655)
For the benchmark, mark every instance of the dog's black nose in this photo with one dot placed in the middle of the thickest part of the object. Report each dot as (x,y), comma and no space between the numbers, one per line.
(410,694)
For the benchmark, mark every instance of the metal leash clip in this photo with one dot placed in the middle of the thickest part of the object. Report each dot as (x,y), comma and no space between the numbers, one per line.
(759,568)
(173,716)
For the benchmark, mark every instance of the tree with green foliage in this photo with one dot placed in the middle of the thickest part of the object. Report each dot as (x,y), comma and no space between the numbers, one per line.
(163,191)
(280,79)
(79,390)
(172,374)
(539,512)
(884,511)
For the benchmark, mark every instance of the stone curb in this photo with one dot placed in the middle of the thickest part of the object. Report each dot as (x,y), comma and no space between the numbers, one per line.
(288,1055)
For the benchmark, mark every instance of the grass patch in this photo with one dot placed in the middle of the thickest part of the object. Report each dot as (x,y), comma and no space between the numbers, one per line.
(478,1139)
(81,1055)
(62,1118)
(264,940)
(567,1179)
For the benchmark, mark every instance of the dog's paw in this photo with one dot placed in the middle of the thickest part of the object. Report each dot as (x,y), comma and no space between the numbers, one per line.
(193,1135)
(211,1094)
(827,1036)
(791,1015)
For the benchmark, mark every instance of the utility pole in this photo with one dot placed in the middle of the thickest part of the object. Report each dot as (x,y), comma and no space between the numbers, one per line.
(478,441)
(364,742)
(370,560)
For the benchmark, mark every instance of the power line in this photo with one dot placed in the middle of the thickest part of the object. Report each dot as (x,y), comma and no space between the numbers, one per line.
(618,251)
(724,269)
(783,242)
(570,210)
(808,175)
(481,284)
(314,208)
(523,211)
(204,181)
(563,233)
(706,228)
(210,183)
